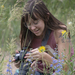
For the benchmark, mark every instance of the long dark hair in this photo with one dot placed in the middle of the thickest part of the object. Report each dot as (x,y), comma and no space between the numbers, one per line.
(34,9)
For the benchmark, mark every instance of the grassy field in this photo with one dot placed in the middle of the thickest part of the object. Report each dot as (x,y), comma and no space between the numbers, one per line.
(10,17)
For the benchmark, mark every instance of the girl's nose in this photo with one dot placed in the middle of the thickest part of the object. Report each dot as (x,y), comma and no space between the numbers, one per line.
(32,27)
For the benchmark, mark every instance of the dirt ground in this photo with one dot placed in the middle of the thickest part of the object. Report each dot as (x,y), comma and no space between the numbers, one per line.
(6,61)
(5,67)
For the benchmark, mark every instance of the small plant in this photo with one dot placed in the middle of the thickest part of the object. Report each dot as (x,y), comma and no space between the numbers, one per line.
(1,61)
(9,68)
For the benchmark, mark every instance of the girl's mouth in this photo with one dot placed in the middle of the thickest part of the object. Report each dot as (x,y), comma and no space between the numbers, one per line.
(36,31)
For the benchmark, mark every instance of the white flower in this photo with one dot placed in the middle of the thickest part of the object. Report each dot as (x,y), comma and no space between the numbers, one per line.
(69,22)
(61,0)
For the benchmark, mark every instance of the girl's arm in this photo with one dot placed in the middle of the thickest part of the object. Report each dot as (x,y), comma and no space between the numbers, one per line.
(63,49)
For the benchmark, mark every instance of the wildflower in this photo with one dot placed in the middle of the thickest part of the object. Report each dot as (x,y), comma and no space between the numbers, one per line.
(52,57)
(41,49)
(53,74)
(31,57)
(26,64)
(59,65)
(51,65)
(55,61)
(54,54)
(59,60)
(61,0)
(9,60)
(58,70)
(2,6)
(69,23)
(63,32)
(11,72)
(58,55)
(8,65)
(31,69)
(9,69)
(62,60)
(29,60)
(54,67)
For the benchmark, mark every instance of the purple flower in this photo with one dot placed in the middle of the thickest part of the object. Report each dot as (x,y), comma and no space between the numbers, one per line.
(9,60)
(30,68)
(26,63)
(55,61)
(62,60)
(7,70)
(58,70)
(51,65)
(54,67)
(52,57)
(53,74)
(54,54)
(31,57)
(8,65)
(29,60)
(59,60)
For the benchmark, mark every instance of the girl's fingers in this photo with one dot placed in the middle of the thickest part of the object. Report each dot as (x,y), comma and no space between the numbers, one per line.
(31,54)
(35,53)
(36,57)
(13,60)
(34,50)
(17,51)
(28,54)
(33,64)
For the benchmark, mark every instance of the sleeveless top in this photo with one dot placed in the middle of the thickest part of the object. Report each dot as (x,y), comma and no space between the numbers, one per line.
(36,42)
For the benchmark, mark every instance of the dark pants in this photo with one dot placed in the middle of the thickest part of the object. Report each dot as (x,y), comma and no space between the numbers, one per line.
(36,73)
(39,73)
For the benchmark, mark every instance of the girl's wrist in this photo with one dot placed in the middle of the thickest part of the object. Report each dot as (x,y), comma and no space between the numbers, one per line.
(44,55)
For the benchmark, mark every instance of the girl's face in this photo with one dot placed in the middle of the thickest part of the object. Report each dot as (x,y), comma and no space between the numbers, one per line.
(36,26)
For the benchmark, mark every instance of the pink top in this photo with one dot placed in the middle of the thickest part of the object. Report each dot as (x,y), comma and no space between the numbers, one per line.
(51,41)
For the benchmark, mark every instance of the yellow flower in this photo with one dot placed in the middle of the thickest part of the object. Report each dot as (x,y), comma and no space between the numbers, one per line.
(64,32)
(41,49)
(2,6)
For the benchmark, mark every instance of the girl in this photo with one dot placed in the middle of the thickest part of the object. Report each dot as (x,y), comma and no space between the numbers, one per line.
(39,28)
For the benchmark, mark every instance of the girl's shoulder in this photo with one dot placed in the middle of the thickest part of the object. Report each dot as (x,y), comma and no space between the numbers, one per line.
(58,33)
(60,30)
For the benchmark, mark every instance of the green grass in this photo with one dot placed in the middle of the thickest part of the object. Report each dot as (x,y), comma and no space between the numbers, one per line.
(10,17)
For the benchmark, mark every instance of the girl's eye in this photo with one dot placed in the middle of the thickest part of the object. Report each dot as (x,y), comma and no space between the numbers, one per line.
(28,24)
(35,22)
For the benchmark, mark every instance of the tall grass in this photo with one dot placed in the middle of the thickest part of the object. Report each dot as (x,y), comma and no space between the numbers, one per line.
(10,17)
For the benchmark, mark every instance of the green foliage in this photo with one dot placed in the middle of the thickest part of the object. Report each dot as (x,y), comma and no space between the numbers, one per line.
(1,61)
(10,46)
(64,10)
(10,17)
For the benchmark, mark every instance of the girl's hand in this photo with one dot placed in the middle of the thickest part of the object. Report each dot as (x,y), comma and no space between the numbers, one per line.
(34,55)
(13,58)
(33,64)
(18,63)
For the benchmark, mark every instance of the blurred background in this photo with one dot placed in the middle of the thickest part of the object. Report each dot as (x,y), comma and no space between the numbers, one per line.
(10,17)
